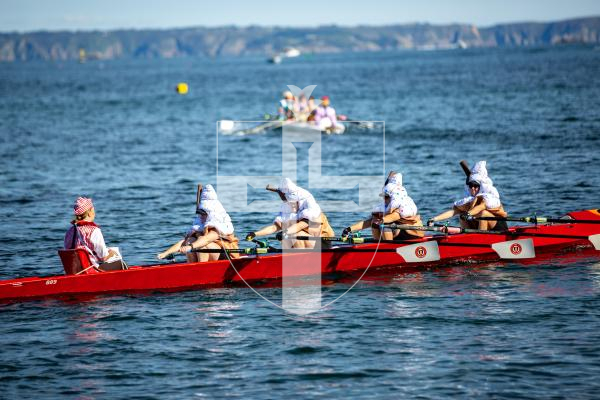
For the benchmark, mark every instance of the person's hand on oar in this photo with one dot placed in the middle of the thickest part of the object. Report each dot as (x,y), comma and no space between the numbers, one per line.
(250,236)
(281,235)
(346,232)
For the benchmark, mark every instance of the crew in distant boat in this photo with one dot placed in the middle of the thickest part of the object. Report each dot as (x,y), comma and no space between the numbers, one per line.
(85,234)
(481,200)
(324,115)
(287,107)
(303,109)
(397,207)
(212,229)
(311,104)
(300,215)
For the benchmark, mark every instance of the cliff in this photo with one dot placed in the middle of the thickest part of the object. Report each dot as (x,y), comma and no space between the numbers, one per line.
(253,40)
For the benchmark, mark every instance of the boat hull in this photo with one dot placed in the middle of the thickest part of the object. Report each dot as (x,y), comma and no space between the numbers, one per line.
(345,259)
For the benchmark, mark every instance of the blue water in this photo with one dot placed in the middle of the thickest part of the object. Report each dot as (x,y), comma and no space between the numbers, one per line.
(117,132)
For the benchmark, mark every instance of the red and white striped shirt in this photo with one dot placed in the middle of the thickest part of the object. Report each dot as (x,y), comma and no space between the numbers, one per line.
(90,239)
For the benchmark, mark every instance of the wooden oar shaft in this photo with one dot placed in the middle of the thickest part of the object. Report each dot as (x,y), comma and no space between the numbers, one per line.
(250,251)
(418,228)
(465,168)
(323,238)
(354,240)
(198,194)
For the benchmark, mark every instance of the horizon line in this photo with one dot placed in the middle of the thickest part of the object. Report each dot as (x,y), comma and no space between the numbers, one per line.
(296,27)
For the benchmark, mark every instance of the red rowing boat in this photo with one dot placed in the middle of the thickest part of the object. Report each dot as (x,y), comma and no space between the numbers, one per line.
(431,251)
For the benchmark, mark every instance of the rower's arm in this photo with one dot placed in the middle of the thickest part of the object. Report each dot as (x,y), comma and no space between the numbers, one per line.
(359,226)
(171,250)
(391,217)
(297,227)
(478,208)
(111,253)
(202,241)
(445,215)
(267,230)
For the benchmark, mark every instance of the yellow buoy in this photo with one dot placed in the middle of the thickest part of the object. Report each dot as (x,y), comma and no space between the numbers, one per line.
(182,88)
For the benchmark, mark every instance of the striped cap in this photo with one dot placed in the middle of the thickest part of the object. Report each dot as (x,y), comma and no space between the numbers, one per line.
(82,204)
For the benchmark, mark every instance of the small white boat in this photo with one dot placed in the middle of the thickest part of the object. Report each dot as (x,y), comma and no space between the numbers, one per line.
(291,52)
(276,59)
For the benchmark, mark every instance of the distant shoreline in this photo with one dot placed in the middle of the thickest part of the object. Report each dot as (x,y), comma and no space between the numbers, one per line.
(266,41)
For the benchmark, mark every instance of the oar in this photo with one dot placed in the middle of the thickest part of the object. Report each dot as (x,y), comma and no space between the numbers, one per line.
(274,189)
(593,239)
(390,174)
(411,252)
(248,250)
(540,220)
(466,169)
(353,240)
(198,194)
(272,250)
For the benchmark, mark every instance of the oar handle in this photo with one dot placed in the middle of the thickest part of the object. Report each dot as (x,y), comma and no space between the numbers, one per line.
(272,188)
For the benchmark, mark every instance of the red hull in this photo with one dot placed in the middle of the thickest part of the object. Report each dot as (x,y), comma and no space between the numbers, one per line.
(180,276)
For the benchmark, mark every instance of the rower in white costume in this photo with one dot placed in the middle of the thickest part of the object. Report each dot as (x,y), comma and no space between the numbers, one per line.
(212,229)
(397,207)
(299,215)
(481,200)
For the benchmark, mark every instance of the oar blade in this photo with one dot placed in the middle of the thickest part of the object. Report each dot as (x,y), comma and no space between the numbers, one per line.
(595,239)
(515,249)
(420,252)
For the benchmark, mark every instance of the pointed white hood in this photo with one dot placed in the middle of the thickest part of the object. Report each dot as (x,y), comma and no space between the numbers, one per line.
(307,205)
(487,190)
(216,217)
(400,200)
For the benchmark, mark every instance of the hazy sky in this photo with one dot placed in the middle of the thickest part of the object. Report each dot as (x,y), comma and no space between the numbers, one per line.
(27,15)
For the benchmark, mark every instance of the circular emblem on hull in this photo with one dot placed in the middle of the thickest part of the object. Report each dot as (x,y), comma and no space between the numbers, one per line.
(516,249)
(420,252)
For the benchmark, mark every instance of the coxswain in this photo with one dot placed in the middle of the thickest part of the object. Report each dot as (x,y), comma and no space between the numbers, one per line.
(481,200)
(85,234)
(299,215)
(397,207)
(324,115)
(212,229)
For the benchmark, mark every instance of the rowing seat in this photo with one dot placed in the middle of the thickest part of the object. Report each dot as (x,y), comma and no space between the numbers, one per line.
(75,261)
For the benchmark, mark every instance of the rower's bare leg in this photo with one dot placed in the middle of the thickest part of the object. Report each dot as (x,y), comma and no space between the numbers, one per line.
(314,230)
(388,235)
(171,250)
(300,244)
(376,233)
(192,257)
(204,257)
(486,225)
